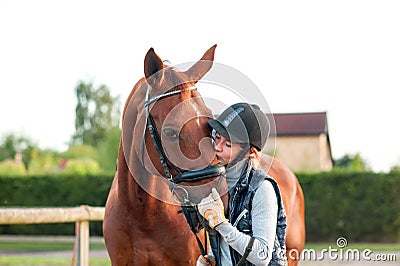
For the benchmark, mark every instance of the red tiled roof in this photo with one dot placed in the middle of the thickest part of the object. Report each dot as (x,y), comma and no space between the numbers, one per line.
(289,124)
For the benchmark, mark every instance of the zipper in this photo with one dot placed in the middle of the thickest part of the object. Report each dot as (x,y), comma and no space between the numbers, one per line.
(243,213)
(231,203)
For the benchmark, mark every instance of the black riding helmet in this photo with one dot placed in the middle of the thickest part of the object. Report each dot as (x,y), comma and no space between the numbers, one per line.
(243,123)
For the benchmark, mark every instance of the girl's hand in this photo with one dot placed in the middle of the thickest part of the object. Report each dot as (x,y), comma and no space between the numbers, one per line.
(205,260)
(212,209)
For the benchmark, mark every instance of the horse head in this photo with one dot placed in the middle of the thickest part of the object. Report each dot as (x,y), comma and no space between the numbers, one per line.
(177,143)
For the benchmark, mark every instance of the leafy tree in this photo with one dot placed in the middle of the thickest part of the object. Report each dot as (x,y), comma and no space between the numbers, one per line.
(96,111)
(108,149)
(395,169)
(351,163)
(8,149)
(13,145)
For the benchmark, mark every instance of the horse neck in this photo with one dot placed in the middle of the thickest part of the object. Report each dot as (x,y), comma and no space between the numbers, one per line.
(142,201)
(127,187)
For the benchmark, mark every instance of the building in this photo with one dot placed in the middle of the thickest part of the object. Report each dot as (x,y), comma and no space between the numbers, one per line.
(302,141)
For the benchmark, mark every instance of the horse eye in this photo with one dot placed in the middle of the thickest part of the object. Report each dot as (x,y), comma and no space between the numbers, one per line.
(171,133)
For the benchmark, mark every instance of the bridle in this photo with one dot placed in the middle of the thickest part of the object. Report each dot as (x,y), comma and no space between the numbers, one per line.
(189,209)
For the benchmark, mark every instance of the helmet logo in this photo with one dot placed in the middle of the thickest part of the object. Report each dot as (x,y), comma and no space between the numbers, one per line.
(232,116)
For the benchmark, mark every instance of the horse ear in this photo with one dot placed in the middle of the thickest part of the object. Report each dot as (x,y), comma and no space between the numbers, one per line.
(153,68)
(199,69)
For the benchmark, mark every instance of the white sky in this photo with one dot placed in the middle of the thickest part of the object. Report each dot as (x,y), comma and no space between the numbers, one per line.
(342,57)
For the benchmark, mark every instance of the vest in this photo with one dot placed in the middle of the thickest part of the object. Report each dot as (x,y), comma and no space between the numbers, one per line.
(240,205)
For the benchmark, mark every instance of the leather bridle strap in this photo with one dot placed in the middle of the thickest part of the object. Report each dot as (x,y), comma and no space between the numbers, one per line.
(155,137)
(189,212)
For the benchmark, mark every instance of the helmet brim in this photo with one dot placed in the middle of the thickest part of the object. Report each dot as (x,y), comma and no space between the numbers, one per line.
(215,124)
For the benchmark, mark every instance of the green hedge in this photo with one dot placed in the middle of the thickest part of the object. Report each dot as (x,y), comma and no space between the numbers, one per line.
(57,191)
(358,206)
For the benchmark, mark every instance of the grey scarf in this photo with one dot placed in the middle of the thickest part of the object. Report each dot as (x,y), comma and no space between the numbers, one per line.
(234,172)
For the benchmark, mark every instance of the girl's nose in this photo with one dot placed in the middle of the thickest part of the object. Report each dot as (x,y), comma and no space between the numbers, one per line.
(218,146)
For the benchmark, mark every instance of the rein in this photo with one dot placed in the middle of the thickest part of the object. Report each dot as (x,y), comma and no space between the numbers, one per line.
(189,209)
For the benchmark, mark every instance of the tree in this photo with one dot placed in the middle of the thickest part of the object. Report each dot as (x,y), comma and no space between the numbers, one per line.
(395,169)
(96,112)
(8,149)
(12,145)
(351,163)
(107,151)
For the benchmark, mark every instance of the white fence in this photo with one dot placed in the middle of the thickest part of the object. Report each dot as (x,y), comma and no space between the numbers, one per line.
(80,215)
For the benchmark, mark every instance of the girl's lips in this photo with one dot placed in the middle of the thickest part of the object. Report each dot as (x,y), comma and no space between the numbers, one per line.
(219,159)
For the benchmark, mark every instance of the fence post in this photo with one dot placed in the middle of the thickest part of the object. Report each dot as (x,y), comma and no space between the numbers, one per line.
(84,243)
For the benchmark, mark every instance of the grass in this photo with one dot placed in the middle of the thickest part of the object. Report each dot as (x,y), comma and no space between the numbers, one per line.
(43,246)
(8,261)
(15,247)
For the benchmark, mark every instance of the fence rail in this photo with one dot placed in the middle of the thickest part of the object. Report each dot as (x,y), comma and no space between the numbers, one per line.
(80,215)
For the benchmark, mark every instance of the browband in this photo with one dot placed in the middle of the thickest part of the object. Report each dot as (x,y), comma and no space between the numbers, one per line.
(164,95)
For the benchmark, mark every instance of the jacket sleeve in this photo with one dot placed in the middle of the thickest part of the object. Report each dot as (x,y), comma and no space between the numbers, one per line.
(264,217)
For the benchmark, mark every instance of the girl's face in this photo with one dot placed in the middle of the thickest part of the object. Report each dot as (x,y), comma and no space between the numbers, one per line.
(226,151)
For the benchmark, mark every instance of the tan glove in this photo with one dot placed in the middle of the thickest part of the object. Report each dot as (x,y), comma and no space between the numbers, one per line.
(205,260)
(212,209)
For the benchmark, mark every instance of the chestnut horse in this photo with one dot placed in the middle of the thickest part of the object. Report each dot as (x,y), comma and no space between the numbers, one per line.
(141,224)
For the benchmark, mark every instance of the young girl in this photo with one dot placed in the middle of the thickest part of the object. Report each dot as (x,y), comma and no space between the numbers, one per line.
(253,232)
